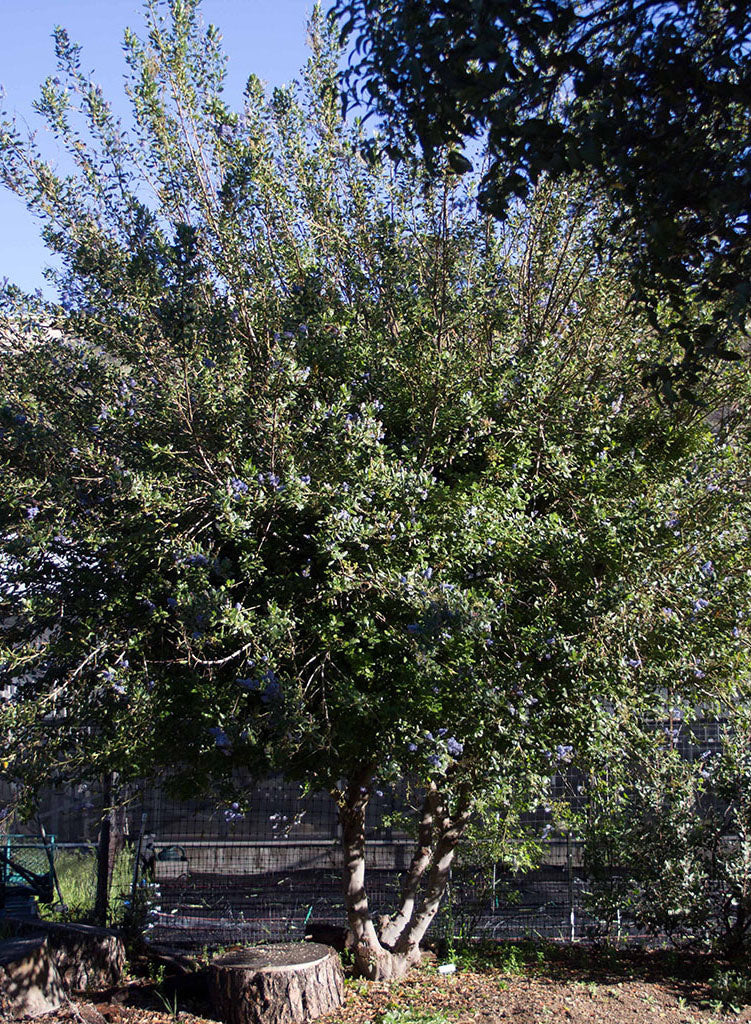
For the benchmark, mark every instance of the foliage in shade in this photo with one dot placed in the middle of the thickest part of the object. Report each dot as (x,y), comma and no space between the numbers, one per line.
(652,97)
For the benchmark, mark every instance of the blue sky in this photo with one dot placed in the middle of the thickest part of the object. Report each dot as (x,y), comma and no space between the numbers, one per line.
(266,37)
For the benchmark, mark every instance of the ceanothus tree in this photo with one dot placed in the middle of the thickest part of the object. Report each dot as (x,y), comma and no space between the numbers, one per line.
(314,468)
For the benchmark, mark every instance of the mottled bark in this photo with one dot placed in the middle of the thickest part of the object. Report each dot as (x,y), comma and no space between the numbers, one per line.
(85,957)
(370,956)
(29,982)
(417,868)
(451,831)
(390,955)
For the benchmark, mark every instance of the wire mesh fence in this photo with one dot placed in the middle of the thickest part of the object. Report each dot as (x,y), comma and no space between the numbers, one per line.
(26,868)
(211,874)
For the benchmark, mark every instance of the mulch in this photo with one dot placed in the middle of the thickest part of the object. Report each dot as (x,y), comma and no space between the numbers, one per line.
(506,983)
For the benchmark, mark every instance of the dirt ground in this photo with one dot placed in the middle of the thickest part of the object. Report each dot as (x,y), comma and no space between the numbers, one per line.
(512,983)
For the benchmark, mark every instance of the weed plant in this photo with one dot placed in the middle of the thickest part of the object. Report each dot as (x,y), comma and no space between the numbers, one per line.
(409,1015)
(509,958)
(730,990)
(76,873)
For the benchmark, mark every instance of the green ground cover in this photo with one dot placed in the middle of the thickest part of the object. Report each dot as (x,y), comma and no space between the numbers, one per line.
(76,873)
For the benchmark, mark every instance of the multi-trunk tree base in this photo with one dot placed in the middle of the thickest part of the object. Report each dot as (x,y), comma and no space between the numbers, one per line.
(281,984)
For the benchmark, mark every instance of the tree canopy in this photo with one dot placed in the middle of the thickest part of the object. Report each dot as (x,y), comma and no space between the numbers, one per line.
(314,467)
(651,97)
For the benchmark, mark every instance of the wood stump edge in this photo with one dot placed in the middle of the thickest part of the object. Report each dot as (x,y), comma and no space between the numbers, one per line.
(258,992)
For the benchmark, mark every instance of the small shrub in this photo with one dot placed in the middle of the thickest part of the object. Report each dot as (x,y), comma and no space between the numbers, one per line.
(730,989)
(511,960)
(667,842)
(473,956)
(409,1015)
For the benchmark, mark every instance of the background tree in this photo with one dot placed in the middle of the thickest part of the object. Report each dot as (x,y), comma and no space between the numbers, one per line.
(665,831)
(315,468)
(652,97)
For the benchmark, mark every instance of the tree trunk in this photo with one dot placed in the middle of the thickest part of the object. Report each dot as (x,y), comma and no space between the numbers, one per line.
(281,984)
(450,832)
(105,859)
(110,845)
(118,829)
(390,956)
(371,959)
(417,868)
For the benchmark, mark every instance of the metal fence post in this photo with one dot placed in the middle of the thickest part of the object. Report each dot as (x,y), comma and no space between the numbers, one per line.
(51,858)
(570,871)
(137,858)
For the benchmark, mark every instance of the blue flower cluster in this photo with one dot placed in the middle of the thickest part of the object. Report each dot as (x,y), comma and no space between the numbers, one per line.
(453,746)
(272,480)
(272,692)
(233,813)
(268,686)
(221,739)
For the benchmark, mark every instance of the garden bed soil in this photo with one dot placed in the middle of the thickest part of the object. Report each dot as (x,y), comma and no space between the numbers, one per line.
(510,983)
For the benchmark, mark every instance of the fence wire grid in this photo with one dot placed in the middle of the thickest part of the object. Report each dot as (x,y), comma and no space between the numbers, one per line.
(213,875)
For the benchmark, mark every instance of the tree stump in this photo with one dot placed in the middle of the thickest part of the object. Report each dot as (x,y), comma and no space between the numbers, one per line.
(29,982)
(85,957)
(285,983)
